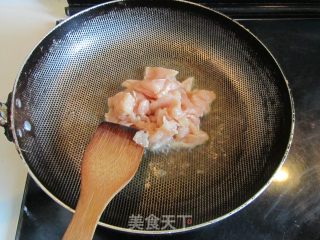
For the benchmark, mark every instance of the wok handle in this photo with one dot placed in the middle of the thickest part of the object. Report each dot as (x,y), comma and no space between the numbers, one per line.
(5,121)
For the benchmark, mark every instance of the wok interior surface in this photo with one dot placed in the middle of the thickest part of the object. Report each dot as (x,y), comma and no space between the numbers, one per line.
(61,97)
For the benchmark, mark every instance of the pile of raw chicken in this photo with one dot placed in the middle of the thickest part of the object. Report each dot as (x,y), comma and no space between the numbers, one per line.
(165,111)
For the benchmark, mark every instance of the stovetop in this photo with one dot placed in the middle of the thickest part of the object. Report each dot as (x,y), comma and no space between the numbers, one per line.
(290,207)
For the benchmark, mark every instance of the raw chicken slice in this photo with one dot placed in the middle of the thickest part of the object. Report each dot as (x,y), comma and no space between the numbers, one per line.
(192,140)
(188,83)
(152,73)
(149,88)
(141,137)
(121,109)
(202,100)
(143,107)
(167,112)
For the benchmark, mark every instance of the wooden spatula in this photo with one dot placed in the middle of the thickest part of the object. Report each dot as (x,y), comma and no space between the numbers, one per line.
(109,163)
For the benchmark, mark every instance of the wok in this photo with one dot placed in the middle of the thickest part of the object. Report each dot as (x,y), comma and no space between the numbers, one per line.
(60,97)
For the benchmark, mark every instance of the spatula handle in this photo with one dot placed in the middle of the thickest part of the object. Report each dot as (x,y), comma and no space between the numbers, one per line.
(89,209)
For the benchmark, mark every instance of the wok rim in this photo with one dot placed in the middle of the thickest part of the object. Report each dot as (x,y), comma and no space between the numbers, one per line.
(158,232)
